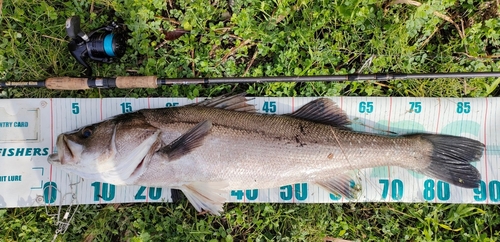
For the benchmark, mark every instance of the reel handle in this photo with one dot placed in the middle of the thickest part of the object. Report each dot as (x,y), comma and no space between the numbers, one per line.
(73,29)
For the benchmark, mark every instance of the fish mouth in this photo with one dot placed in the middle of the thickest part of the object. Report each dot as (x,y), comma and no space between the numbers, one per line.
(67,148)
(67,151)
(53,158)
(56,158)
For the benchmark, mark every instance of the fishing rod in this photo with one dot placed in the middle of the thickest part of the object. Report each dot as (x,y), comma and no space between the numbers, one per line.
(78,83)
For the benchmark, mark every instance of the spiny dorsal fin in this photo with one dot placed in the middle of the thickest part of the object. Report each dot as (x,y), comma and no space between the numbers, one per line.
(325,111)
(188,141)
(236,102)
(347,185)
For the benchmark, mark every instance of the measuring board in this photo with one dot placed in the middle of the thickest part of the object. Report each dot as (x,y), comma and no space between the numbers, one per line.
(29,128)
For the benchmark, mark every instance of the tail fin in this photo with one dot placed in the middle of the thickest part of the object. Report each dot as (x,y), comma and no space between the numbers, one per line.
(451,157)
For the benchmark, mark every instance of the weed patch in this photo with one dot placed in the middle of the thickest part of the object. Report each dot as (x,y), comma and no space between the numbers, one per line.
(261,38)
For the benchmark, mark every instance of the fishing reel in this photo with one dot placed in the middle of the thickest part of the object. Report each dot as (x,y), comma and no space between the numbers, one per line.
(103,44)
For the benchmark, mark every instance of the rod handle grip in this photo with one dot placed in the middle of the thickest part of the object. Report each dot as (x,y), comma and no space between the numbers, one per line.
(136,82)
(66,83)
(75,83)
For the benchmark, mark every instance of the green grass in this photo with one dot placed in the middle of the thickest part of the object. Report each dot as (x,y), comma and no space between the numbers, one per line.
(260,38)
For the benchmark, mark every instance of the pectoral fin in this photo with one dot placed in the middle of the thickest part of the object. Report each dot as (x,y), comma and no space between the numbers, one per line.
(188,141)
(206,196)
(346,185)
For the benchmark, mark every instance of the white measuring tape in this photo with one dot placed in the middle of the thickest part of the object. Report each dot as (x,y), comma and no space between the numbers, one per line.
(29,127)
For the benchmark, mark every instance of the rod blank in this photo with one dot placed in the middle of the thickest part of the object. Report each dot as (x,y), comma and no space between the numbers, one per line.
(74,83)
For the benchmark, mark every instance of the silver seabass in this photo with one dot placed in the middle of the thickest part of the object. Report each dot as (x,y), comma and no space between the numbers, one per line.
(221,144)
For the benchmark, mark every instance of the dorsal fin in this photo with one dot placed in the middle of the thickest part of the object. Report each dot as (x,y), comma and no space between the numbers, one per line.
(236,102)
(325,111)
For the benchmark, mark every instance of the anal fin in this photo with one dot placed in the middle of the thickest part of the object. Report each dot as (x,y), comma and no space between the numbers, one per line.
(208,196)
(347,185)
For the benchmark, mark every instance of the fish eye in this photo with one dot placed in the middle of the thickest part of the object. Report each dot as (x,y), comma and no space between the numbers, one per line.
(86,132)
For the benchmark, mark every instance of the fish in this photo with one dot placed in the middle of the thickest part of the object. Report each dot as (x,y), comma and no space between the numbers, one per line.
(221,144)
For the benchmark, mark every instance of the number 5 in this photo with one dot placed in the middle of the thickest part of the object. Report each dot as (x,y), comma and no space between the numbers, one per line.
(75,108)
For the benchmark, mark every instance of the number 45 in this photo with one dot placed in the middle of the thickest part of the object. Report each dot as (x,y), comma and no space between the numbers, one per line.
(269,107)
